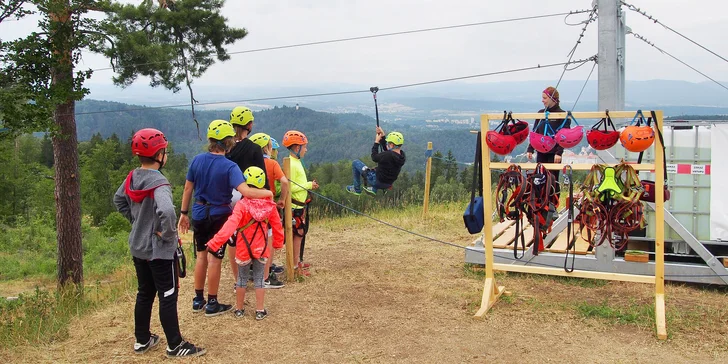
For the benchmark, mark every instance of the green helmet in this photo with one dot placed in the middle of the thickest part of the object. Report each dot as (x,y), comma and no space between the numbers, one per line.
(241,115)
(220,129)
(395,138)
(254,176)
(261,139)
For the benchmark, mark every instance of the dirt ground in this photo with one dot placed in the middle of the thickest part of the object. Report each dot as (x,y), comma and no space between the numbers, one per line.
(380,295)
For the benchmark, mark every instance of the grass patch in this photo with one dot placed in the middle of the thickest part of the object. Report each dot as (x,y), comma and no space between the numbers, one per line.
(637,314)
(43,316)
(29,251)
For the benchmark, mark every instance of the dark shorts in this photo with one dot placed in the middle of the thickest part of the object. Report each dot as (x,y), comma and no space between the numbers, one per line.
(205,229)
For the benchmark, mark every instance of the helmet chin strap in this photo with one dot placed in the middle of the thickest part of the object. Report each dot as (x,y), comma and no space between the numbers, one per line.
(161,161)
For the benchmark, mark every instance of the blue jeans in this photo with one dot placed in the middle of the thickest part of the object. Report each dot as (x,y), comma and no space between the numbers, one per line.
(356,168)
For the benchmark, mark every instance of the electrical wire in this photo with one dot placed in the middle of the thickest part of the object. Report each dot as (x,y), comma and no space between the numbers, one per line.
(339,93)
(339,40)
(584,86)
(654,20)
(592,18)
(677,59)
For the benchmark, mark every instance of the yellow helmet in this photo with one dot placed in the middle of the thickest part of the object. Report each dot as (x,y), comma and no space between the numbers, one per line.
(261,139)
(241,115)
(395,138)
(254,176)
(220,129)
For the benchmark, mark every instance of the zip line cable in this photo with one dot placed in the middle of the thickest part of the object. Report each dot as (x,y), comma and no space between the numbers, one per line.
(467,248)
(343,92)
(654,20)
(340,40)
(675,58)
(584,86)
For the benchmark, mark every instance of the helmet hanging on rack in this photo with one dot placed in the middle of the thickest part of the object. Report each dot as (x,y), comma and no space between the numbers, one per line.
(602,139)
(545,142)
(637,138)
(500,140)
(570,137)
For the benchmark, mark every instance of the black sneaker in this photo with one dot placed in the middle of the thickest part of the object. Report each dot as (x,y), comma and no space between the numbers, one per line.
(239,313)
(185,350)
(198,304)
(273,282)
(278,269)
(143,348)
(214,309)
(259,315)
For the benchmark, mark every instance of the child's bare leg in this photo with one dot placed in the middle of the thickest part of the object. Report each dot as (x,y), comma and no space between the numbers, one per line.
(296,249)
(259,299)
(240,297)
(200,270)
(214,265)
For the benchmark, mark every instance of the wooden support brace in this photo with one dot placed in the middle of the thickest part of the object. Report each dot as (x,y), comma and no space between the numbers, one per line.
(660,321)
(491,293)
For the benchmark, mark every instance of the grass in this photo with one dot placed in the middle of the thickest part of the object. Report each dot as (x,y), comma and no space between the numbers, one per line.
(633,313)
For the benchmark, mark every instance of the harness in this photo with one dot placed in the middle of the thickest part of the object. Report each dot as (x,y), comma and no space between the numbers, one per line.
(510,184)
(539,203)
(260,227)
(610,204)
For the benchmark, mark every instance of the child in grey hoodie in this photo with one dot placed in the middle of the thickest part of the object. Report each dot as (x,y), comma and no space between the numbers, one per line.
(145,199)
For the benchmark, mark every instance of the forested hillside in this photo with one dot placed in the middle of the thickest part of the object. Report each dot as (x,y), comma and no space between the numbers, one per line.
(332,137)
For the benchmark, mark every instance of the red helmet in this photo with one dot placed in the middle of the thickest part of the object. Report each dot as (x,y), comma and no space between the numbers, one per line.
(502,144)
(147,142)
(293,137)
(519,129)
(602,139)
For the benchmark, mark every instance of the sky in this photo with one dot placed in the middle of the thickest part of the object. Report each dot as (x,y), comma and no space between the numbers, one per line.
(447,53)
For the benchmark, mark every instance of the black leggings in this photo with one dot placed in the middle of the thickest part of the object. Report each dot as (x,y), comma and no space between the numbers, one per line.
(156,277)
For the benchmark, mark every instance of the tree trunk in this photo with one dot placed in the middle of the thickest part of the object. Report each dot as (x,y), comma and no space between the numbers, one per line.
(65,153)
(68,196)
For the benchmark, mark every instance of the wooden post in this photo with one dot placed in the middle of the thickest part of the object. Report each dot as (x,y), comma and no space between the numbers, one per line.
(660,322)
(428,171)
(288,224)
(491,292)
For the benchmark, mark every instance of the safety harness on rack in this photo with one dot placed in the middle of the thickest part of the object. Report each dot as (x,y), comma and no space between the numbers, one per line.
(610,205)
(539,202)
(570,233)
(509,193)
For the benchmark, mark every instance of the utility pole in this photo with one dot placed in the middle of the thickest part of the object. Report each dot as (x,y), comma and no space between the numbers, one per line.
(611,55)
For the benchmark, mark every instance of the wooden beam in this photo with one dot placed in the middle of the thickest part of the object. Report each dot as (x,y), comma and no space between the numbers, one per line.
(562,115)
(659,234)
(577,273)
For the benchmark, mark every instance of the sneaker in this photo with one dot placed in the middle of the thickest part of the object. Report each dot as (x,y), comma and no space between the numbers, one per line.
(304,265)
(185,350)
(259,315)
(278,269)
(214,309)
(198,304)
(143,348)
(351,189)
(239,313)
(370,191)
(273,282)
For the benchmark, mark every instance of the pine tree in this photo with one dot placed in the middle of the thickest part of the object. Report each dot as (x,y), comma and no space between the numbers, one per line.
(171,43)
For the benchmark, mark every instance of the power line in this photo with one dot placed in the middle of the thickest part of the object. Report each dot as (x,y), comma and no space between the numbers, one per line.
(592,18)
(342,92)
(584,86)
(574,12)
(675,58)
(654,20)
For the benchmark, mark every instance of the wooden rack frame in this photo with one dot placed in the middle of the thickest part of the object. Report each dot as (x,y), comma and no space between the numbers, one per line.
(491,291)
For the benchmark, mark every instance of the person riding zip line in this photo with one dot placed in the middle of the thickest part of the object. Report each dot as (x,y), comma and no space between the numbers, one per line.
(389,164)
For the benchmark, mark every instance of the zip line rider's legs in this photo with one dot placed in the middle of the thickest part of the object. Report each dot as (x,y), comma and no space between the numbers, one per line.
(358,169)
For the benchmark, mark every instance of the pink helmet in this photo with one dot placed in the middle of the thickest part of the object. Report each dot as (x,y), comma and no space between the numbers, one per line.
(545,142)
(569,137)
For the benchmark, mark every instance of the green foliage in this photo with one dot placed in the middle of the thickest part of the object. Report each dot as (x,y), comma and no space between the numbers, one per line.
(639,314)
(114,224)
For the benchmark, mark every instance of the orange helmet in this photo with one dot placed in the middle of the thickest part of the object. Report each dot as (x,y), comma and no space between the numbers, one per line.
(637,138)
(293,137)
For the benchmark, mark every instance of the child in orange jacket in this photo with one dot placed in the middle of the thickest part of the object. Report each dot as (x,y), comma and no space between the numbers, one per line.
(251,218)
